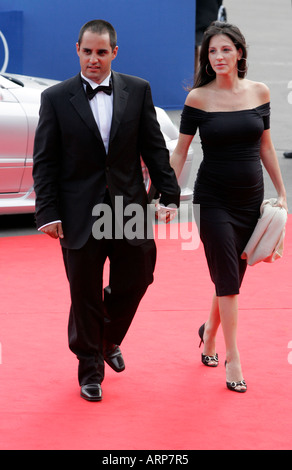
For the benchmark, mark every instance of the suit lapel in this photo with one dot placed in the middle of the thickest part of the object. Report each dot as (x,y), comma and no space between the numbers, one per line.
(80,103)
(120,103)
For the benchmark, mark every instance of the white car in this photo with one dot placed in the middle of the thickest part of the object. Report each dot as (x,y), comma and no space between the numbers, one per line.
(19,114)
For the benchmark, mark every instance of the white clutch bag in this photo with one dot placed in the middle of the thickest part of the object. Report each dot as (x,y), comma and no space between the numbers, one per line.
(267,241)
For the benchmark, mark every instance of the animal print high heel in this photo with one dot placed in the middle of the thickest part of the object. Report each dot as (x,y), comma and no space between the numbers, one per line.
(233,385)
(209,361)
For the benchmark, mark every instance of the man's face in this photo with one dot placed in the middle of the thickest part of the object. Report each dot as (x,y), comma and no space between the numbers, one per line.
(96,55)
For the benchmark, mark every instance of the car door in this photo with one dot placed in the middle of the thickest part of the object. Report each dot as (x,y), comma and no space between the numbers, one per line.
(13,142)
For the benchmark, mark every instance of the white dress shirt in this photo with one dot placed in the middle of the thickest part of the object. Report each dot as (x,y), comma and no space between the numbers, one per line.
(102,109)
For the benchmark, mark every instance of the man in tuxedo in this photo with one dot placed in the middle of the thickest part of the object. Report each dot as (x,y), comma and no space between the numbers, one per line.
(86,159)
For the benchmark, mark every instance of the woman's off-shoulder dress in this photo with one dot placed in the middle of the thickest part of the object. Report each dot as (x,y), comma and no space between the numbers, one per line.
(229,187)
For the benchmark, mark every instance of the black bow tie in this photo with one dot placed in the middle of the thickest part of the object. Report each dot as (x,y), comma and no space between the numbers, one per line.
(92,92)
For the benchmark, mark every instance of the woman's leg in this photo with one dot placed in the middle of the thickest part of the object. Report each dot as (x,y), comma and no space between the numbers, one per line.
(211,327)
(228,308)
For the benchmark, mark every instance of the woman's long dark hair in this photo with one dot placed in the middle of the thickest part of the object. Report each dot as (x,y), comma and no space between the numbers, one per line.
(233,32)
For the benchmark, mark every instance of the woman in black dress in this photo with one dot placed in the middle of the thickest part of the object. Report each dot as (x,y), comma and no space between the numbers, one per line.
(232,115)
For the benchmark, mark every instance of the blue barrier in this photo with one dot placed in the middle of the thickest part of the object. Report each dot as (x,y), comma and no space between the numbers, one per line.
(155,38)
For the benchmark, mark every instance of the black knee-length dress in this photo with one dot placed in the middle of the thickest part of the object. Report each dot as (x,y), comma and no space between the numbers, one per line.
(229,186)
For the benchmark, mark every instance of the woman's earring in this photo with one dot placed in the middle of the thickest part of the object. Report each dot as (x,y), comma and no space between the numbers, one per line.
(245,68)
(209,74)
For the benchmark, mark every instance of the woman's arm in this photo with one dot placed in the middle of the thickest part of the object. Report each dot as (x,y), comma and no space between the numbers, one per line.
(180,153)
(268,153)
(195,99)
(270,162)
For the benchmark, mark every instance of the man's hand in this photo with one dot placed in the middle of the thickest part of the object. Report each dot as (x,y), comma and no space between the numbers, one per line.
(165,214)
(54,230)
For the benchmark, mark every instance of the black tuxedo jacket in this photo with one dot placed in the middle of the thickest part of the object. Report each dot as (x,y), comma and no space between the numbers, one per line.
(71,168)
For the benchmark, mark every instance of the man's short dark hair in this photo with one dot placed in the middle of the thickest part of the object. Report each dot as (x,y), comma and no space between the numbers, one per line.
(99,27)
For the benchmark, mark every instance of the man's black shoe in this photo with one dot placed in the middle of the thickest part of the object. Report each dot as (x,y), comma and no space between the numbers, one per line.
(288,154)
(113,357)
(91,392)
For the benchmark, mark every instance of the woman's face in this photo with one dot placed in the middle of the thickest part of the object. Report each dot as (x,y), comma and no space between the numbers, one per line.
(223,55)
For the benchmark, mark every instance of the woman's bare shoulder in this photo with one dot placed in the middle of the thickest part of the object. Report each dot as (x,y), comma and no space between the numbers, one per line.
(260,91)
(197,98)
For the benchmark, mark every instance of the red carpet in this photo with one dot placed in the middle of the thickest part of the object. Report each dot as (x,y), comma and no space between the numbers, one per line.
(165,399)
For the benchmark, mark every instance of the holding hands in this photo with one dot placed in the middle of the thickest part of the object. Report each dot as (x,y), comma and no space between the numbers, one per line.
(165,214)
